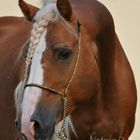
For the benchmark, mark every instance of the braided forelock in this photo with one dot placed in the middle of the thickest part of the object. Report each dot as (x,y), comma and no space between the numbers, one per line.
(48,13)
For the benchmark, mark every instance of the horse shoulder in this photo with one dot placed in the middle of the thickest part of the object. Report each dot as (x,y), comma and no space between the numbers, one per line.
(119,90)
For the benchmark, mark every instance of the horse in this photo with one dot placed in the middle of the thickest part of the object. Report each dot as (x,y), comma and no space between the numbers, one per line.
(71,77)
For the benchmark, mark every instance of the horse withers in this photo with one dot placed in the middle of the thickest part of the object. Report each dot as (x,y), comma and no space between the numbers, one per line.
(74,80)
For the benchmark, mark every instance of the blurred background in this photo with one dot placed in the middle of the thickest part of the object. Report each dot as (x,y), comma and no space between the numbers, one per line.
(126,14)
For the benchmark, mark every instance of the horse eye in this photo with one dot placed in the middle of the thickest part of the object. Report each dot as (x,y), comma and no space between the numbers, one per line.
(62,54)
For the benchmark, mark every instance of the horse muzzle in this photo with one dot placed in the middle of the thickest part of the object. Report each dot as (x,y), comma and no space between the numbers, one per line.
(37,128)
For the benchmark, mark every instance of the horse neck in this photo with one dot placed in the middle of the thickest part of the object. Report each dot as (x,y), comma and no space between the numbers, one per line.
(97,106)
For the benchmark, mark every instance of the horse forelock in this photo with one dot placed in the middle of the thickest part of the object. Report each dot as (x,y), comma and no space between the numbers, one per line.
(48,12)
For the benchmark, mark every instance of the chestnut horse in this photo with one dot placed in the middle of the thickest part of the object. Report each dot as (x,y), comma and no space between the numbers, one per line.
(72,78)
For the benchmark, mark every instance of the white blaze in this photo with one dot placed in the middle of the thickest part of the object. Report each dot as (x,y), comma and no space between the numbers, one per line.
(32,94)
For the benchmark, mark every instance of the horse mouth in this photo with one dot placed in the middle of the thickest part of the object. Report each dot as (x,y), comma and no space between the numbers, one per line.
(43,134)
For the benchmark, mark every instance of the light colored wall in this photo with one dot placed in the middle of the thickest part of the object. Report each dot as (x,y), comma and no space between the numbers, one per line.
(126,15)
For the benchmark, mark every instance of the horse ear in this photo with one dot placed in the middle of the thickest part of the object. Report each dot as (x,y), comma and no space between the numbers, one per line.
(64,9)
(28,10)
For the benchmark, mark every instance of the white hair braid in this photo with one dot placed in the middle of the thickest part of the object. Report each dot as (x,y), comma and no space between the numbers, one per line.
(36,33)
(43,17)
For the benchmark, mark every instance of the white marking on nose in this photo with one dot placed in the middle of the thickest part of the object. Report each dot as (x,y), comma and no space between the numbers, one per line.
(32,94)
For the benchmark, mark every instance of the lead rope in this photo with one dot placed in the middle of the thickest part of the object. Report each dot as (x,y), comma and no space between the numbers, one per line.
(61,134)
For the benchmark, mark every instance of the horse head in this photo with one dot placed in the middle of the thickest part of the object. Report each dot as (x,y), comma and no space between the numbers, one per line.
(59,73)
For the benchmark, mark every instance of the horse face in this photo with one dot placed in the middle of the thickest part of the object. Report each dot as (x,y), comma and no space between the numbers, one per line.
(58,52)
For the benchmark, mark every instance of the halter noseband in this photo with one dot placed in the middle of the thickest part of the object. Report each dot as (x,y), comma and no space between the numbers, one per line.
(51,90)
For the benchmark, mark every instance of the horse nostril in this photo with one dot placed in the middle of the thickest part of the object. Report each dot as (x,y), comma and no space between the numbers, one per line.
(42,132)
(37,130)
(43,123)
(18,126)
(16,123)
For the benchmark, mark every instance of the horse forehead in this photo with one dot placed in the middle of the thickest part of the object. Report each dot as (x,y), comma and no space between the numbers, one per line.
(59,32)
